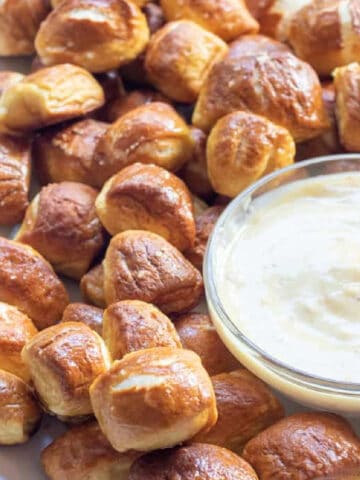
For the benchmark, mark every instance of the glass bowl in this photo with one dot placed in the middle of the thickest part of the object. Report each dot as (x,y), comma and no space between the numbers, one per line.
(310,390)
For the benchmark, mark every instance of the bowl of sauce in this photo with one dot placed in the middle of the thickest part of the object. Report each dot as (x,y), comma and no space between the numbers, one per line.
(282,279)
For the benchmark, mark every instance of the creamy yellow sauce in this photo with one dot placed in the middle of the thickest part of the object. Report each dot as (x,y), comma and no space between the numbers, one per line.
(290,279)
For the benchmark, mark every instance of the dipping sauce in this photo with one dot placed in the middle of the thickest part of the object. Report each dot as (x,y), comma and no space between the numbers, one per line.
(290,277)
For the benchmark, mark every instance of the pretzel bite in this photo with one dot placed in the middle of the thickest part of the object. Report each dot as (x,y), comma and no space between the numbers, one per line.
(141,265)
(197,333)
(63,361)
(49,96)
(246,406)
(80,312)
(306,446)
(98,35)
(152,133)
(194,172)
(16,329)
(196,461)
(20,415)
(148,197)
(92,286)
(328,143)
(130,101)
(61,223)
(15,156)
(199,205)
(205,223)
(7,79)
(279,86)
(28,282)
(83,452)
(275,16)
(179,57)
(242,147)
(325,33)
(133,325)
(226,18)
(66,153)
(255,45)
(19,23)
(154,398)
(347,86)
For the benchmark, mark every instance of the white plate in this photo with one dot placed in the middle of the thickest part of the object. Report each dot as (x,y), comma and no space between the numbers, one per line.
(23,462)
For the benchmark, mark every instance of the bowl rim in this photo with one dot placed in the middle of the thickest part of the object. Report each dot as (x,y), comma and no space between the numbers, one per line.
(213,299)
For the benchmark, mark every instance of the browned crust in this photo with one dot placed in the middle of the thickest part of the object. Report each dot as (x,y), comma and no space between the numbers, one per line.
(132,325)
(98,35)
(205,223)
(304,445)
(28,282)
(64,227)
(19,23)
(84,450)
(141,265)
(226,18)
(179,57)
(197,333)
(80,312)
(246,406)
(92,286)
(152,133)
(65,153)
(207,462)
(15,165)
(18,410)
(278,86)
(154,398)
(148,197)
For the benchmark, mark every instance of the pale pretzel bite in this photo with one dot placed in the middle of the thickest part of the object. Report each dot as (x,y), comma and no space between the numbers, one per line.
(16,329)
(92,286)
(199,205)
(242,147)
(328,143)
(196,461)
(48,96)
(20,414)
(347,87)
(63,361)
(66,153)
(255,45)
(133,325)
(205,223)
(81,312)
(83,452)
(179,57)
(198,333)
(136,98)
(141,265)
(278,86)
(307,446)
(19,23)
(98,35)
(246,406)
(148,197)
(61,223)
(194,172)
(154,398)
(226,18)
(326,34)
(8,78)
(28,282)
(15,165)
(153,133)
